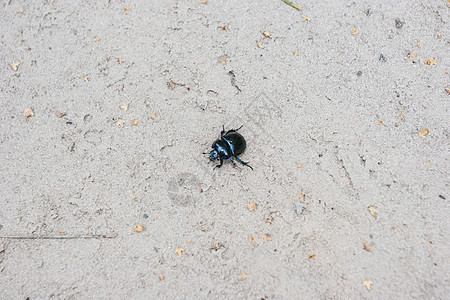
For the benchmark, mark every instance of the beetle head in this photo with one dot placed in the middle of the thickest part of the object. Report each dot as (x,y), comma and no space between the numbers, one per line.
(213,155)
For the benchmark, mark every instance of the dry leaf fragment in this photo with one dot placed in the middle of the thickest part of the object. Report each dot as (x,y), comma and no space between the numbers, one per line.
(28,112)
(153,116)
(373,211)
(133,196)
(15,65)
(260,45)
(134,122)
(267,237)
(292,4)
(62,233)
(85,78)
(124,106)
(312,256)
(171,85)
(270,220)
(127,10)
(139,228)
(368,246)
(439,36)
(424,132)
(59,114)
(179,250)
(354,32)
(400,116)
(299,166)
(447,90)
(223,62)
(96,38)
(431,61)
(267,34)
(306,18)
(203,1)
(161,277)
(296,53)
(244,276)
(367,284)
(251,206)
(120,122)
(121,60)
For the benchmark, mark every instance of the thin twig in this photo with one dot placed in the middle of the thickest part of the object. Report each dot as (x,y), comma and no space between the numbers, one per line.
(62,237)
(292,4)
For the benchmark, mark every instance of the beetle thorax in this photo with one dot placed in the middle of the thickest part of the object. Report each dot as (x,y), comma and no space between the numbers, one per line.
(222,148)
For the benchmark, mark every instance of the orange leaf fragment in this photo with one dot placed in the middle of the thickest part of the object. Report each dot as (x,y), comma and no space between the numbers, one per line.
(251,206)
(373,211)
(120,122)
(368,246)
(15,65)
(354,32)
(424,132)
(139,228)
(28,112)
(179,250)
(267,237)
(431,61)
(367,284)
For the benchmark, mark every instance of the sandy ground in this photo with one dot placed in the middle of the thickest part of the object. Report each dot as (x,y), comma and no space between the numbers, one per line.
(344,108)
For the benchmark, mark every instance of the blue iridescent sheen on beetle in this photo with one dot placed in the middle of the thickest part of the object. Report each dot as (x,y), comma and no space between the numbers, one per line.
(231,144)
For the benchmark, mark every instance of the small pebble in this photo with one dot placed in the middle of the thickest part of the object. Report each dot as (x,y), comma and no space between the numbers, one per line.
(145,216)
(298,206)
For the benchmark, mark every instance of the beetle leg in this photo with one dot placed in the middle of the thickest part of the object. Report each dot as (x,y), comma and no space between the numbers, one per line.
(223,131)
(243,162)
(218,166)
(238,128)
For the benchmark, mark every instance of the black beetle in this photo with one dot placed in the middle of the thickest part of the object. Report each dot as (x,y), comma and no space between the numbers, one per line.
(231,144)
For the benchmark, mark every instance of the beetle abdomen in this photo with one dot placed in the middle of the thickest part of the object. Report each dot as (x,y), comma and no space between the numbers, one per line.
(236,142)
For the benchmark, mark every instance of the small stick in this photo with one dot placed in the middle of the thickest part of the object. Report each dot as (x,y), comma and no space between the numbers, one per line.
(292,4)
(55,237)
